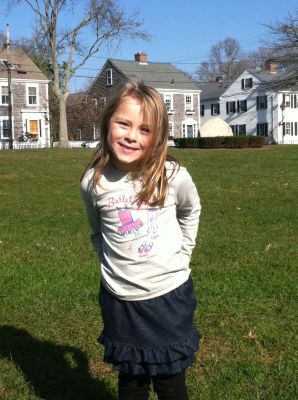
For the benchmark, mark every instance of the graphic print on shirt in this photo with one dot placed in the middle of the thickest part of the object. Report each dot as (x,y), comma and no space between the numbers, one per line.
(128,225)
(144,249)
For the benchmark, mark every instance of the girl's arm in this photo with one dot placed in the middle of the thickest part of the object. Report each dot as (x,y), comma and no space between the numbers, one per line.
(93,214)
(188,211)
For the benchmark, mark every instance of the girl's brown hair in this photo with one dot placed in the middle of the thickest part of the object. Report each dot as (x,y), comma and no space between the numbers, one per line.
(151,170)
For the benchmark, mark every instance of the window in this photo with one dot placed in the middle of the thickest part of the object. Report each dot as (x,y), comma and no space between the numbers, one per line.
(215,109)
(4,95)
(241,105)
(188,102)
(109,77)
(4,128)
(242,129)
(202,110)
(102,101)
(246,83)
(238,129)
(287,100)
(231,107)
(168,99)
(171,129)
(287,128)
(32,95)
(261,102)
(262,129)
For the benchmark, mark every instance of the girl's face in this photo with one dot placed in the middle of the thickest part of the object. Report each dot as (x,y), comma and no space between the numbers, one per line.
(129,135)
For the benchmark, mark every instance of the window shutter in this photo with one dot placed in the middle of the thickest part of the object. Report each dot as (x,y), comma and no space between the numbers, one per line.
(245,105)
(283,128)
(292,128)
(218,108)
(258,129)
(295,100)
(284,99)
(292,101)
(227,106)
(238,106)
(258,102)
(266,129)
(265,102)
(211,109)
(242,83)
(296,129)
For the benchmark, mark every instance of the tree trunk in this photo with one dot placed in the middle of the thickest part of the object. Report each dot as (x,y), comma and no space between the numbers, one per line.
(63,134)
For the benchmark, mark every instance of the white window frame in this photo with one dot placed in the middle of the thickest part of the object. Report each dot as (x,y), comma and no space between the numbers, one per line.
(109,77)
(1,94)
(4,118)
(288,129)
(36,86)
(188,104)
(168,100)
(287,100)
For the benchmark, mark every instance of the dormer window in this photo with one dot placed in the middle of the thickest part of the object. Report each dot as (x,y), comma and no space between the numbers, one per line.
(246,83)
(110,77)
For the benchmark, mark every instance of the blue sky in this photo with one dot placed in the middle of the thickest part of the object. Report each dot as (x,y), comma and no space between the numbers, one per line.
(182,30)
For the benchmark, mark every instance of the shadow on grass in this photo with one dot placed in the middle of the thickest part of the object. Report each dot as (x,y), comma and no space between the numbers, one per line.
(55,372)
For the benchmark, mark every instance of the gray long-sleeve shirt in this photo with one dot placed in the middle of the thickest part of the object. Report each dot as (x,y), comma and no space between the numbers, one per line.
(144,251)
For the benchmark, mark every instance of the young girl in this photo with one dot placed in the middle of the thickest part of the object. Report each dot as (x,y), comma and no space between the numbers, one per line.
(143,210)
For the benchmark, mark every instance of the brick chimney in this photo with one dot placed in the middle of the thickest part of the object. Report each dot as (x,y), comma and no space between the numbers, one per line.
(271,66)
(141,57)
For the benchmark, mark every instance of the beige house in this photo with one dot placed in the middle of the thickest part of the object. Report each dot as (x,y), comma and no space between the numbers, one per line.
(29,101)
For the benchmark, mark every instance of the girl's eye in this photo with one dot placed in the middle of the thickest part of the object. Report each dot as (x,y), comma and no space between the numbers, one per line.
(123,124)
(145,130)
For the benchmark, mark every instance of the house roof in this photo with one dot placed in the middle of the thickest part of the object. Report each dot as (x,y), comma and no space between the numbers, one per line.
(156,74)
(214,90)
(23,66)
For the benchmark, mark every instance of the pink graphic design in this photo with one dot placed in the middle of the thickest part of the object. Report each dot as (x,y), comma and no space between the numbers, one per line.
(144,249)
(128,224)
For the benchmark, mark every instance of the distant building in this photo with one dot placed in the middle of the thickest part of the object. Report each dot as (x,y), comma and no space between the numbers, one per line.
(252,105)
(30,103)
(181,95)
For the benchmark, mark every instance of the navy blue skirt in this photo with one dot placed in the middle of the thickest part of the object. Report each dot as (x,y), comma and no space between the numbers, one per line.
(155,336)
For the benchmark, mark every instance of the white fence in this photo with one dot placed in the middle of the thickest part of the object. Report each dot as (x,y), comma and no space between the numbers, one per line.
(22,145)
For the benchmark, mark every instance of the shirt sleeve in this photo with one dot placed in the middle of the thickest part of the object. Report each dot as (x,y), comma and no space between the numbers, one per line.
(188,211)
(93,214)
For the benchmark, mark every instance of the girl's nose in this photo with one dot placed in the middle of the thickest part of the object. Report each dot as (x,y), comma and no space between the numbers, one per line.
(131,134)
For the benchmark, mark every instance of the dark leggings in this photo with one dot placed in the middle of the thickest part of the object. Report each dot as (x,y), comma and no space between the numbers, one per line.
(167,387)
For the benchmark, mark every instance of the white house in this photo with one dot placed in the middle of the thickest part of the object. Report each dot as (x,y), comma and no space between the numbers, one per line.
(251,105)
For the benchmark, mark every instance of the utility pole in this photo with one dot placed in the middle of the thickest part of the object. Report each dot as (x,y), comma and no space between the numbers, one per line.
(8,68)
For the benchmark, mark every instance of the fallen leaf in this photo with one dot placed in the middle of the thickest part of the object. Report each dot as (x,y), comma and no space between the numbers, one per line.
(251,336)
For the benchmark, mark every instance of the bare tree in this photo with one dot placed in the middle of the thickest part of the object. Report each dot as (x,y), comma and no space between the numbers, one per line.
(68,50)
(284,47)
(225,60)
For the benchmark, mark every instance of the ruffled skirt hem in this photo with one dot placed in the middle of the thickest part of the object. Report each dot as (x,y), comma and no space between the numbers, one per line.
(151,360)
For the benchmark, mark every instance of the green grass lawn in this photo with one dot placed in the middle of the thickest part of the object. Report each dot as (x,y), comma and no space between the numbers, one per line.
(244,269)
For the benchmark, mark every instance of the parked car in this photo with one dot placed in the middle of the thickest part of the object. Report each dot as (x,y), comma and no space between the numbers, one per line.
(90,144)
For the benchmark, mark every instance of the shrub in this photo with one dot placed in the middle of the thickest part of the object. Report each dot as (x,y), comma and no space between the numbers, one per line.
(187,142)
(256,141)
(220,142)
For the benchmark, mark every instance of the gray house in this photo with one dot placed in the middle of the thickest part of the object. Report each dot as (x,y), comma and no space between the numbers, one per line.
(180,93)
(29,99)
